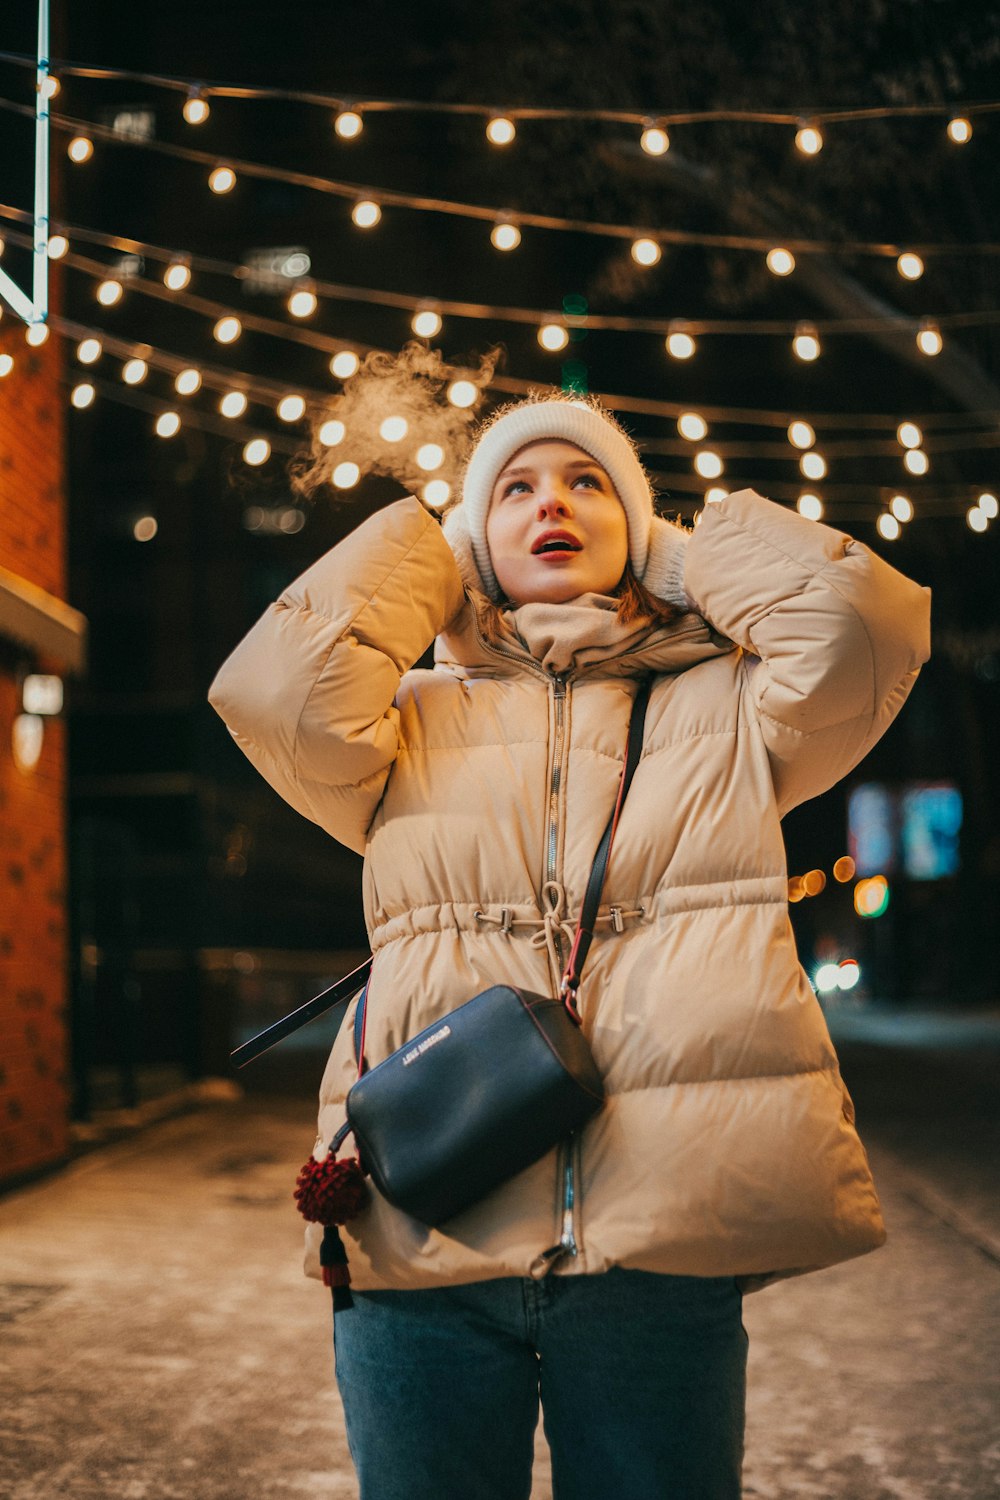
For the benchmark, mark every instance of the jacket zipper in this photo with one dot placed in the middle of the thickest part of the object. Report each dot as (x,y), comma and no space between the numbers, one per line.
(565,1169)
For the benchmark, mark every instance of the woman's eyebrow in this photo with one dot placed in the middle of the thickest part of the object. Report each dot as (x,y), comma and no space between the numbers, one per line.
(576,463)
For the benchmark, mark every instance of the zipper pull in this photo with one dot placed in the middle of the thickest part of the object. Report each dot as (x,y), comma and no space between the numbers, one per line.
(542,1264)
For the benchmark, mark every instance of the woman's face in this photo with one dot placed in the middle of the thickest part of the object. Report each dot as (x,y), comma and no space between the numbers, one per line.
(555,528)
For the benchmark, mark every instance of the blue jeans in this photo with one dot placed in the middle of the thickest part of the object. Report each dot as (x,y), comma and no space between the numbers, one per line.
(642,1380)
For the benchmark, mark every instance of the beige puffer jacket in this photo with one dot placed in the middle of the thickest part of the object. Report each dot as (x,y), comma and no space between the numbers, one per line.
(477,793)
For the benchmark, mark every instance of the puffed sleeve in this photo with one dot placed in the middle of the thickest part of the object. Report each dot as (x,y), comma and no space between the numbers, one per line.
(833,636)
(308,693)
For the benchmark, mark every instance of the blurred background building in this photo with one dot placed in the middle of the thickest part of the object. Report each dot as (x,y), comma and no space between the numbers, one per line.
(159,902)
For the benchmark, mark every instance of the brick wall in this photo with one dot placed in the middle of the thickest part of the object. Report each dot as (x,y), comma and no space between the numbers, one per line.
(34,1089)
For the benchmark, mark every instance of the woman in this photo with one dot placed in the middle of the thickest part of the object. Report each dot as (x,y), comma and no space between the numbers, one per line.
(611,1273)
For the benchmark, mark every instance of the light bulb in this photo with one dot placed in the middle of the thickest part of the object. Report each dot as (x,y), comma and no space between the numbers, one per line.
(813,465)
(36,334)
(976,519)
(233,404)
(187,382)
(57,246)
(145,528)
(810,506)
(50,87)
(345,476)
(960,130)
(714,495)
(437,493)
(177,275)
(462,393)
(645,252)
(89,351)
(168,424)
(929,340)
(780,262)
(505,236)
(291,408)
(908,435)
(135,371)
(227,330)
(302,303)
(426,324)
(691,425)
(708,464)
(344,364)
(82,395)
(654,140)
(553,336)
(222,180)
(901,507)
(394,429)
(256,452)
(679,345)
(806,342)
(809,139)
(366,214)
(348,124)
(910,266)
(500,131)
(196,108)
(915,461)
(887,526)
(430,456)
(331,433)
(80,149)
(6,365)
(801,435)
(109,292)
(988,505)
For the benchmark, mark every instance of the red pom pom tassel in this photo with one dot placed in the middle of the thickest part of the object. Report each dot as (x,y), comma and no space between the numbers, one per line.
(329,1191)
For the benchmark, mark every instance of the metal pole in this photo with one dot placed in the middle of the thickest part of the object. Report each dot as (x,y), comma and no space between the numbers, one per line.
(40,280)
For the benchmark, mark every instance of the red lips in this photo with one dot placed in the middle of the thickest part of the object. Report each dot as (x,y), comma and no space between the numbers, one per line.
(544,542)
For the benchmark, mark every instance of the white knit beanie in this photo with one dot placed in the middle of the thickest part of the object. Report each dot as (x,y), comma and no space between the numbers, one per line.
(656,547)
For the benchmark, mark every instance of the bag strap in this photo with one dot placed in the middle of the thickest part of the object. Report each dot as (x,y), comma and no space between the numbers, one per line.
(341,993)
(599,869)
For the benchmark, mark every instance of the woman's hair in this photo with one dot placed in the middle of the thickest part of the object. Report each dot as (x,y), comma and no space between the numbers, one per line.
(635,602)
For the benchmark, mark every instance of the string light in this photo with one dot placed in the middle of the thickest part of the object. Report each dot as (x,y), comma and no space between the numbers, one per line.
(82,395)
(915,461)
(109,292)
(505,236)
(645,252)
(426,324)
(6,365)
(50,87)
(256,452)
(780,262)
(679,345)
(344,364)
(437,493)
(80,149)
(302,303)
(291,408)
(167,425)
(908,435)
(145,529)
(222,180)
(901,507)
(654,140)
(89,351)
(988,505)
(960,130)
(690,425)
(810,506)
(348,124)
(806,342)
(976,519)
(196,107)
(713,496)
(430,456)
(345,476)
(36,334)
(233,404)
(366,214)
(394,429)
(177,275)
(809,139)
(812,466)
(801,435)
(553,336)
(929,340)
(227,330)
(887,526)
(57,247)
(708,464)
(331,433)
(500,131)
(462,393)
(187,382)
(910,266)
(134,371)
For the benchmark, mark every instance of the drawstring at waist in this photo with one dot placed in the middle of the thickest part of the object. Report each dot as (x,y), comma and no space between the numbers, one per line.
(555,919)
